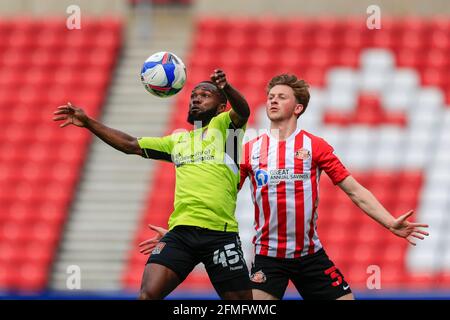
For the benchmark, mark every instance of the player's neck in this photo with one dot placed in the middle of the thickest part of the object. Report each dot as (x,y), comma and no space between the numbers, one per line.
(200,124)
(281,130)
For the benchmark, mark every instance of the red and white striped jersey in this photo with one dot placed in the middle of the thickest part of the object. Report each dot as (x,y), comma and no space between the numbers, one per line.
(284,179)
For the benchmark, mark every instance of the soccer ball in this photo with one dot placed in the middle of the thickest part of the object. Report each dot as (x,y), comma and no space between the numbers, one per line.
(163,74)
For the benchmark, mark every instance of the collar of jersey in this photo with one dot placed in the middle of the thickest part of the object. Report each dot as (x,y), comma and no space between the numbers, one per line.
(293,134)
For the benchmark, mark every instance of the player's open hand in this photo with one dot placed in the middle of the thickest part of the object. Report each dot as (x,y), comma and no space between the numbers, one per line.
(219,78)
(408,230)
(71,115)
(147,246)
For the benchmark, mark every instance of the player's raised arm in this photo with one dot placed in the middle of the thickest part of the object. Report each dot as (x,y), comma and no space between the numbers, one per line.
(365,200)
(121,141)
(240,110)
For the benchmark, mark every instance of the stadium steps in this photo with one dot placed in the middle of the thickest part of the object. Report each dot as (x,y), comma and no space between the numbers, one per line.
(106,211)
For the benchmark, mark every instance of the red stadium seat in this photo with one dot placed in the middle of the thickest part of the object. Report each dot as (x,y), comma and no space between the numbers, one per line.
(11,232)
(7,276)
(409,58)
(36,254)
(439,40)
(10,78)
(392,276)
(393,254)
(347,57)
(31,277)
(351,40)
(320,58)
(40,165)
(447,96)
(356,276)
(10,254)
(434,77)
(315,76)
(443,280)
(422,281)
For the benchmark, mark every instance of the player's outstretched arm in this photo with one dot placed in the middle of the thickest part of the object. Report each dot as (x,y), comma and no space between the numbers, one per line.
(365,200)
(121,141)
(240,110)
(147,246)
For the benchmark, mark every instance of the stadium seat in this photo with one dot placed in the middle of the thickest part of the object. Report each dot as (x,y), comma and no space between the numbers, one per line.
(39,179)
(392,277)
(7,276)
(421,281)
(443,280)
(10,254)
(31,277)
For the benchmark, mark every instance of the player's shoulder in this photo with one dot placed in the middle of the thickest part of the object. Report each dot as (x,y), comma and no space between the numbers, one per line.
(248,141)
(180,135)
(223,116)
(318,144)
(314,138)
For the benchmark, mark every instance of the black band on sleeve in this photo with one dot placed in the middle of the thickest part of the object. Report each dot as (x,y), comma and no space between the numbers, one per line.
(157,155)
(232,143)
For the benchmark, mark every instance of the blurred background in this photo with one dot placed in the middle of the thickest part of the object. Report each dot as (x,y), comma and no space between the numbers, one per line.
(70,205)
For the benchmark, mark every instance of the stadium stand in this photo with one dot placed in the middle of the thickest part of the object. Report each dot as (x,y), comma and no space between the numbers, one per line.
(380,97)
(41,65)
(110,198)
(372,93)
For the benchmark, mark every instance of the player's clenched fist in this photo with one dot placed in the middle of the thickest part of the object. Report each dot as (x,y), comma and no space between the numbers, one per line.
(219,78)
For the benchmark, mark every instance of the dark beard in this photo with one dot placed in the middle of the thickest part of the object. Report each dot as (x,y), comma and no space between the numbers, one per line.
(205,117)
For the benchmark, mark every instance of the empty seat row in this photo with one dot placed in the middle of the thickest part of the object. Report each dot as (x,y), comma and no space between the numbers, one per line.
(40,163)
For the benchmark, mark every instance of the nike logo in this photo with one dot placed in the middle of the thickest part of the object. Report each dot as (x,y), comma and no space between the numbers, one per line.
(346,287)
(255,157)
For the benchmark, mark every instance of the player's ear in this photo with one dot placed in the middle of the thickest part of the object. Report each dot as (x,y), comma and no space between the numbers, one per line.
(221,108)
(298,109)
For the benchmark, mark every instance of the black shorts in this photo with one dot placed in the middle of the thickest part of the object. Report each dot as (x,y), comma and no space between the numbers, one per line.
(315,276)
(182,248)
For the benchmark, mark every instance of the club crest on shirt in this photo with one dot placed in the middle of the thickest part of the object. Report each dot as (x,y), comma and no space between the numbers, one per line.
(258,277)
(159,247)
(303,154)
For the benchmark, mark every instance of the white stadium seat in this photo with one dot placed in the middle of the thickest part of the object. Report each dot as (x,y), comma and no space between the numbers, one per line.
(344,78)
(404,79)
(340,100)
(394,99)
(377,59)
(374,80)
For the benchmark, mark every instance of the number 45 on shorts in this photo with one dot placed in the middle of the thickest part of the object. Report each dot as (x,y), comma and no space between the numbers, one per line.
(227,256)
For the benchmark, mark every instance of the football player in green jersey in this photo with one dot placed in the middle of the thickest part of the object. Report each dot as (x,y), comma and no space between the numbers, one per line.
(202,226)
